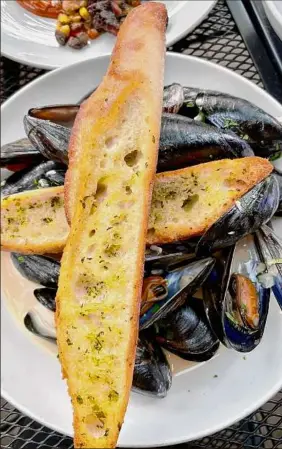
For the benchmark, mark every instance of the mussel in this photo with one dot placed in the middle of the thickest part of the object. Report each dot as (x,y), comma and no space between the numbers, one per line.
(48,137)
(60,114)
(270,273)
(152,373)
(236,302)
(185,142)
(56,177)
(46,297)
(19,154)
(166,283)
(187,333)
(29,178)
(41,325)
(40,269)
(262,131)
(248,214)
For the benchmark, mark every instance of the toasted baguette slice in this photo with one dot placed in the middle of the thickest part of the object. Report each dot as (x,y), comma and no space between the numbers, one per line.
(116,134)
(172,217)
(187,202)
(34,221)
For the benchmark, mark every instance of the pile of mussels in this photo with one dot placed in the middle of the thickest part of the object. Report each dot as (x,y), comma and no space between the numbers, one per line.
(236,263)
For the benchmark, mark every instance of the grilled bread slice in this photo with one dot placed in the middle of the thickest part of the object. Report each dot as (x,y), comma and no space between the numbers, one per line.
(185,203)
(116,135)
(34,221)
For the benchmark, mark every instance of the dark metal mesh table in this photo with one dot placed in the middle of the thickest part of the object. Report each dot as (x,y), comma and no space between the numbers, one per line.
(216,39)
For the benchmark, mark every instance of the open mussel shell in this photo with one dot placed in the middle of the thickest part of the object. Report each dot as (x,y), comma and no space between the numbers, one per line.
(186,142)
(50,138)
(180,250)
(152,374)
(270,247)
(260,129)
(187,333)
(29,178)
(46,297)
(248,214)
(166,284)
(60,114)
(40,269)
(236,302)
(40,324)
(20,152)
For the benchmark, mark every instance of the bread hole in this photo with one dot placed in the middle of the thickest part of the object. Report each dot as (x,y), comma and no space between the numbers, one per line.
(95,426)
(234,184)
(101,191)
(190,202)
(128,190)
(92,233)
(132,158)
(151,232)
(110,142)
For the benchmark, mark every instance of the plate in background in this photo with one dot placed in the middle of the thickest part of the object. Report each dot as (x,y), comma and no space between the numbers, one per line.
(273,10)
(30,39)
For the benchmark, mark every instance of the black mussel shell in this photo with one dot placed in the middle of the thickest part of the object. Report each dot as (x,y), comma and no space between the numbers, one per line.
(152,373)
(187,333)
(46,297)
(19,152)
(260,129)
(28,178)
(278,176)
(236,302)
(183,249)
(186,142)
(270,247)
(56,177)
(173,98)
(51,139)
(39,326)
(254,209)
(166,284)
(60,114)
(40,269)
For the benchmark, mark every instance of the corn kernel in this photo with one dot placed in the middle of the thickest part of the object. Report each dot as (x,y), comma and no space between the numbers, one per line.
(63,19)
(65,29)
(84,13)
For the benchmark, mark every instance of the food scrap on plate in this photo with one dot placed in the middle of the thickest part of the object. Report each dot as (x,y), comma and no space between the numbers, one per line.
(80,21)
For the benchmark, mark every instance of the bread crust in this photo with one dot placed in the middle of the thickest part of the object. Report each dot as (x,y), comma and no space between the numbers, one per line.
(135,77)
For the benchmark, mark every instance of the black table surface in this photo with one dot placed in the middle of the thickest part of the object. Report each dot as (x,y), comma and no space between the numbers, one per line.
(217,39)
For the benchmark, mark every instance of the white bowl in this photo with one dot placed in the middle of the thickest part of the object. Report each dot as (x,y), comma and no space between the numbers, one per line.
(204,398)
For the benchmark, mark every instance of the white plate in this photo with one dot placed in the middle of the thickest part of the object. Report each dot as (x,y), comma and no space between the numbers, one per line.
(30,39)
(199,403)
(273,10)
